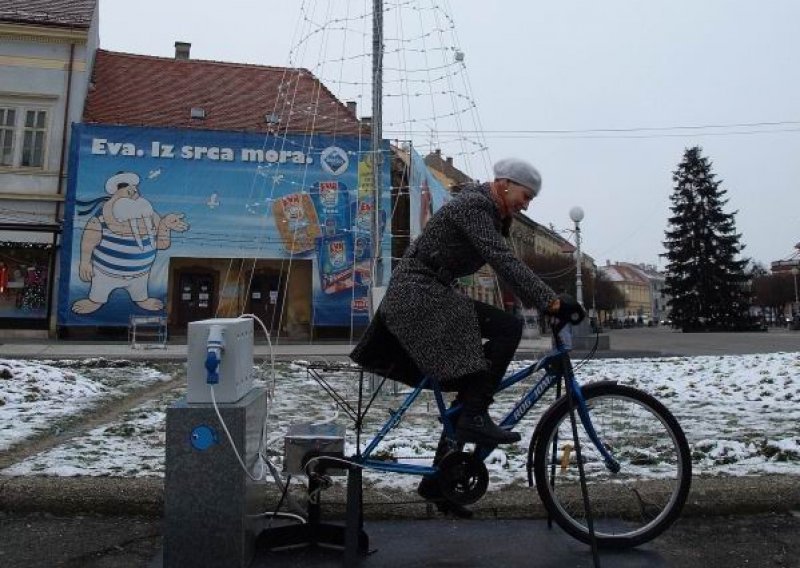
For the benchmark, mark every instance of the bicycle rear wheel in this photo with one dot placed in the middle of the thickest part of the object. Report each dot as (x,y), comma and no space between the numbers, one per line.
(637,503)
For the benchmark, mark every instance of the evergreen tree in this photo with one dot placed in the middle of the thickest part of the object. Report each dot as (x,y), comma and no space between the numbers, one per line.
(706,282)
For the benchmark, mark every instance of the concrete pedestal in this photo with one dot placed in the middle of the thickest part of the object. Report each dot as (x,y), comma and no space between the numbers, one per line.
(586,342)
(584,338)
(207,494)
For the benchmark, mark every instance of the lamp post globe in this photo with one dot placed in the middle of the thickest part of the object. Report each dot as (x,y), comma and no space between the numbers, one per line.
(576,214)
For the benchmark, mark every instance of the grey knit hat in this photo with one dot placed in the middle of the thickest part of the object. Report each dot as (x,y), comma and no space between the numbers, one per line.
(519,171)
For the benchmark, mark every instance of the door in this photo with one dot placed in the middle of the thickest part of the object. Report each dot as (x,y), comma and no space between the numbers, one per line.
(266,299)
(196,297)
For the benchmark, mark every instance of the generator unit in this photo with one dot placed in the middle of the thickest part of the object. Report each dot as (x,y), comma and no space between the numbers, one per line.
(220,353)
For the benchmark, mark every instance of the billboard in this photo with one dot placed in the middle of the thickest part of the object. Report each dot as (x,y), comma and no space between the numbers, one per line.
(140,196)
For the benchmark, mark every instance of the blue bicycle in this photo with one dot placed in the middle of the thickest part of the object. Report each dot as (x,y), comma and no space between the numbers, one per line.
(617,481)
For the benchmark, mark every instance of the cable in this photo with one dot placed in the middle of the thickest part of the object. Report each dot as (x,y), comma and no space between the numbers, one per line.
(279,514)
(269,342)
(230,438)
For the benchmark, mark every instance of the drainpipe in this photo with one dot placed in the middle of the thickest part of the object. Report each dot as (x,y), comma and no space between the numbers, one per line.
(60,190)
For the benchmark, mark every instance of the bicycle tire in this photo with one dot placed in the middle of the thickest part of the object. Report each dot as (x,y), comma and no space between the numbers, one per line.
(655,465)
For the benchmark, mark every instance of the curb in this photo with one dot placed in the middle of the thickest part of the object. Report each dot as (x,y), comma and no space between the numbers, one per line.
(144,496)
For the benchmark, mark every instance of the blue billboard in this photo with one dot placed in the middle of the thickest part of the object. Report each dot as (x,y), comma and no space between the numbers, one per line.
(140,196)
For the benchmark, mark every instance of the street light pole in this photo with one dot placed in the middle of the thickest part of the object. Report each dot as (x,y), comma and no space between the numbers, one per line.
(576,214)
(795,271)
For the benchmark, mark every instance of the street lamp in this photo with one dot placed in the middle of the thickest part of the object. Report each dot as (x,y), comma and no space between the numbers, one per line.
(576,214)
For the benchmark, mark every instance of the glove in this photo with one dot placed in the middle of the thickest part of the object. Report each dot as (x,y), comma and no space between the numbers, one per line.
(566,309)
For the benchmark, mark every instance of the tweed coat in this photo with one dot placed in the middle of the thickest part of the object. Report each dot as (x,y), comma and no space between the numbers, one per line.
(424,325)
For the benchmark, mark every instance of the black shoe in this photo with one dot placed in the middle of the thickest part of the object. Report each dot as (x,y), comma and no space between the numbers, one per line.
(429,490)
(478,428)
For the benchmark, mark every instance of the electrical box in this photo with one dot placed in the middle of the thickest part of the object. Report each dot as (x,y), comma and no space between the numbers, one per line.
(305,441)
(236,361)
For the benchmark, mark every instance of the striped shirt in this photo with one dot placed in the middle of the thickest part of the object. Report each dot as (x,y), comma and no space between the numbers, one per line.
(120,255)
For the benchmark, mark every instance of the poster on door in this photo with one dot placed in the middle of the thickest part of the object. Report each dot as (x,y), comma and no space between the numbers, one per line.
(140,196)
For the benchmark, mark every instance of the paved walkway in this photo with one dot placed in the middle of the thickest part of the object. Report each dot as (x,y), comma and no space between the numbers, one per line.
(636,342)
(174,351)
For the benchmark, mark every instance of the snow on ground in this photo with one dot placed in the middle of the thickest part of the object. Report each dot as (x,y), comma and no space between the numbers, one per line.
(740,415)
(38,397)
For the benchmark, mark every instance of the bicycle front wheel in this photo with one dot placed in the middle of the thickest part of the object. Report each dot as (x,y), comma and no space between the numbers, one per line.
(644,497)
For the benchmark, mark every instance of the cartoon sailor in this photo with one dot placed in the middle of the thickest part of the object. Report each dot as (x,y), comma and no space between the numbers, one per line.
(118,246)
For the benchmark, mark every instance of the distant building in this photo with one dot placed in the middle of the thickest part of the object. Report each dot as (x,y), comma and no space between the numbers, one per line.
(658,299)
(444,169)
(787,264)
(637,288)
(781,266)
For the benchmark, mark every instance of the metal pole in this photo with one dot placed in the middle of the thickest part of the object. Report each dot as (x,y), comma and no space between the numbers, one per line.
(569,384)
(579,281)
(377,135)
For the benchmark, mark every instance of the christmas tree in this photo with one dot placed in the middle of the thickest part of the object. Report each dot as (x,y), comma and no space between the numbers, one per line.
(706,282)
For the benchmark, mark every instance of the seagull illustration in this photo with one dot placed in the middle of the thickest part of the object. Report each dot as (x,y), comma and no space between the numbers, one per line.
(263,170)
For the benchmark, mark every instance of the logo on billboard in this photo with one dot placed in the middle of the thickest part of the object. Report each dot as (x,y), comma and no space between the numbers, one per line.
(329,193)
(293,208)
(334,160)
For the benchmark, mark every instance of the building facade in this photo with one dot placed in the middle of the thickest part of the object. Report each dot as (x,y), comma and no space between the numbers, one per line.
(46,54)
(209,189)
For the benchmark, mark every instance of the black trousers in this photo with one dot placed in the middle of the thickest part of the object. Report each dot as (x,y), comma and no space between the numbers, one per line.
(502,332)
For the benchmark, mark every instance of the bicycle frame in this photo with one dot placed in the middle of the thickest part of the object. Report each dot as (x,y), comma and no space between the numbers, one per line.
(557,364)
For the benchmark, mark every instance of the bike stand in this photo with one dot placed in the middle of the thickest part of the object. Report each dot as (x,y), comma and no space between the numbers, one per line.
(349,537)
(584,489)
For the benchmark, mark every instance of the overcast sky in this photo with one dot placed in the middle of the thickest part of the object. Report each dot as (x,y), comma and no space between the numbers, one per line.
(623,78)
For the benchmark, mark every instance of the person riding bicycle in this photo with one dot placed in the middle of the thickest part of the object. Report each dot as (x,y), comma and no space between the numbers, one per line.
(426,327)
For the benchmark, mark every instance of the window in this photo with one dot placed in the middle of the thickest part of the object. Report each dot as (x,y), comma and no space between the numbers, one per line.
(33,142)
(23,135)
(24,280)
(7,118)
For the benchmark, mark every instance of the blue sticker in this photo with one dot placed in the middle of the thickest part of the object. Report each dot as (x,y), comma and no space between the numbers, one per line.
(203,437)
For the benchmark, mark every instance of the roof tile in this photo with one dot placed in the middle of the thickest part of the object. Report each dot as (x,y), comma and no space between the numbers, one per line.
(160,92)
(62,13)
